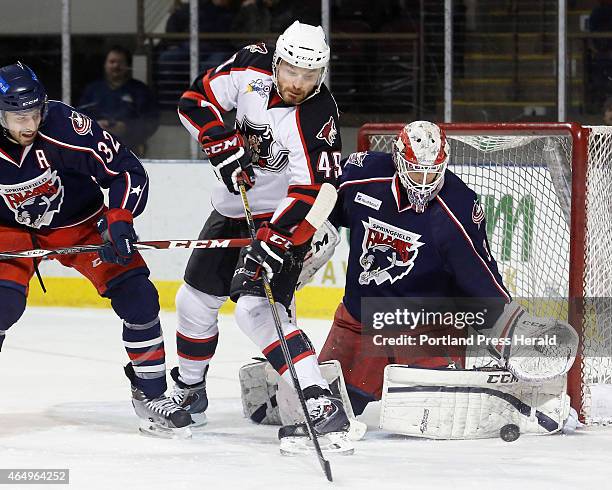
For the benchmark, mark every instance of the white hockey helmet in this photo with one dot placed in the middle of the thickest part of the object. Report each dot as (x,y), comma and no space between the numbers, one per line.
(304,46)
(420,154)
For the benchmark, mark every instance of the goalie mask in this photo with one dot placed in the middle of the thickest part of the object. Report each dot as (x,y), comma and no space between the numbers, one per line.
(420,154)
(303,46)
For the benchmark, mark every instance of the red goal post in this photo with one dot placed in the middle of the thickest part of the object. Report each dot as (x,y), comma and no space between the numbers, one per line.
(560,175)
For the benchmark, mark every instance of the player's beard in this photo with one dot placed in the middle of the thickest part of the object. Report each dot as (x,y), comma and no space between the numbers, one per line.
(293,96)
(24,138)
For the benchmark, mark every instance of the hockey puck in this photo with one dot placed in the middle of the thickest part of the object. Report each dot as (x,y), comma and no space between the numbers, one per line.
(510,432)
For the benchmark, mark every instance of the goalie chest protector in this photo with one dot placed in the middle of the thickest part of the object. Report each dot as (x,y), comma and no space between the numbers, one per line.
(397,252)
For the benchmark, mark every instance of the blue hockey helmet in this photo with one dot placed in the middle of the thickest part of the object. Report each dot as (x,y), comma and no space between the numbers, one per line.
(20,90)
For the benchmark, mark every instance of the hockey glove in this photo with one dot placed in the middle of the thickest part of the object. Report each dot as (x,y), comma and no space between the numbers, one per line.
(266,252)
(534,349)
(117,231)
(230,158)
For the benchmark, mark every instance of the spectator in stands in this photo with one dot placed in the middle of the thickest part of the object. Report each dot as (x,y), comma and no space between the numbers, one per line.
(257,16)
(607,112)
(214,16)
(120,104)
(600,66)
(253,16)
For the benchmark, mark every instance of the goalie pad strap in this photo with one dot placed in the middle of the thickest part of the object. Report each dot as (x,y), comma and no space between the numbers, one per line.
(543,420)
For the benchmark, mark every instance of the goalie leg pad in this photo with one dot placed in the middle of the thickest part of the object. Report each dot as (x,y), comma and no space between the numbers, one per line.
(259,384)
(269,399)
(468,404)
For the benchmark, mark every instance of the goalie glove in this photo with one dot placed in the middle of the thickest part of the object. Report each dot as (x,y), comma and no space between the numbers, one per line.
(322,248)
(230,158)
(534,349)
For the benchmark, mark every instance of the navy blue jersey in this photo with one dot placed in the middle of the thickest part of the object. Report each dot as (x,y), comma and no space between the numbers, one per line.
(396,252)
(56,181)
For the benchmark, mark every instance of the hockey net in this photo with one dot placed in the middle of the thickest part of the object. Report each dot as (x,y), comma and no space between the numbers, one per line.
(547,194)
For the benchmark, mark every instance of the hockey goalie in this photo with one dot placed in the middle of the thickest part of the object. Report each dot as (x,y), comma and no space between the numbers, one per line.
(417,239)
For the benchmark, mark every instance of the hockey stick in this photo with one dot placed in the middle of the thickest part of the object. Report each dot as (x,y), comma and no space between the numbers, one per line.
(148,245)
(319,212)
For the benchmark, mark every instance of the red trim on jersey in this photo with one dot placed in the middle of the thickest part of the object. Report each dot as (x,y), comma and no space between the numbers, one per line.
(276,343)
(218,74)
(209,92)
(80,148)
(242,68)
(191,121)
(397,194)
(193,95)
(299,126)
(302,197)
(314,187)
(128,186)
(23,154)
(9,158)
(274,99)
(365,181)
(469,240)
(286,210)
(212,124)
(197,341)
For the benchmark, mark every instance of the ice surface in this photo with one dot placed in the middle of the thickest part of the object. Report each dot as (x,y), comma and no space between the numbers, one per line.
(64,403)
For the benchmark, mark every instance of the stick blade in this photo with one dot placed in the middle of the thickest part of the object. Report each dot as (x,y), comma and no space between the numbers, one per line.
(327,470)
(323,205)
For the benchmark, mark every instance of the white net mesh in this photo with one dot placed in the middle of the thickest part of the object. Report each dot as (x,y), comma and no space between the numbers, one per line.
(597,365)
(524,184)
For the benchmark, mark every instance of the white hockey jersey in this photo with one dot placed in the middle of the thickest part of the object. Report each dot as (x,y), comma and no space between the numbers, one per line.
(294,148)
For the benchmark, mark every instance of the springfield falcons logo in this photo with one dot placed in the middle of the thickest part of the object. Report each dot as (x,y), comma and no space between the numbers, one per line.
(388,252)
(36,201)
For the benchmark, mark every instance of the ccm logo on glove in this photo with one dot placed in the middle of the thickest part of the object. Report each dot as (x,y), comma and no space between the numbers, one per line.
(221,147)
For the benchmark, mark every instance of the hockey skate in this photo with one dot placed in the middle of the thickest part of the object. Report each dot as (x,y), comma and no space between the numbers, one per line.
(159,417)
(191,398)
(330,423)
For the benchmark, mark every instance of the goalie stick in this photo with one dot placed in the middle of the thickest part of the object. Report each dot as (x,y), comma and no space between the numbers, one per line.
(39,253)
(318,213)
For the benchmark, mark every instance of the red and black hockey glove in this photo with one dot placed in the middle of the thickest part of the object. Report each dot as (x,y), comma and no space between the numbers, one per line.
(266,252)
(117,230)
(231,159)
